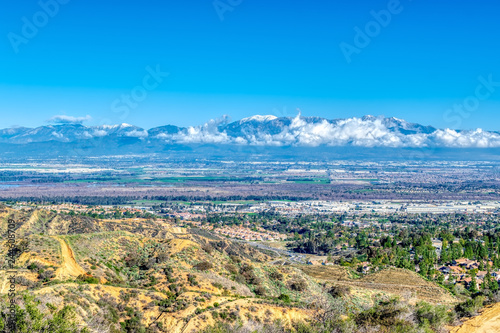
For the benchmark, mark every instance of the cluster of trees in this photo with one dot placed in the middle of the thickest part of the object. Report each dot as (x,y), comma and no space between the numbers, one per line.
(116,214)
(406,244)
(80,200)
(209,197)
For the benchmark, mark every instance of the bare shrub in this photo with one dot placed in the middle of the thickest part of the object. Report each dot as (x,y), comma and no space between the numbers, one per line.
(208,248)
(231,268)
(46,275)
(339,291)
(203,266)
(276,276)
(297,284)
(260,290)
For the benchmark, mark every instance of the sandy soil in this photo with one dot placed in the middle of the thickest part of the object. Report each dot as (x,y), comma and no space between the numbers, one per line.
(69,266)
(487,322)
(4,285)
(178,245)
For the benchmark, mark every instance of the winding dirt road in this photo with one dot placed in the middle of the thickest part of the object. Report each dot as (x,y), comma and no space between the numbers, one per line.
(69,266)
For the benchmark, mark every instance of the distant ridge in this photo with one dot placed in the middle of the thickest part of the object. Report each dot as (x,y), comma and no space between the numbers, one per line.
(270,131)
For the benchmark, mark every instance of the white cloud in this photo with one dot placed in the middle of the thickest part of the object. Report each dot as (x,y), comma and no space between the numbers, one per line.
(58,135)
(300,131)
(467,139)
(63,119)
(99,133)
(361,132)
(137,134)
(207,133)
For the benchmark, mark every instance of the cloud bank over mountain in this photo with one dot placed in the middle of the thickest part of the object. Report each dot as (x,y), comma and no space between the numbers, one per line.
(368,131)
(63,119)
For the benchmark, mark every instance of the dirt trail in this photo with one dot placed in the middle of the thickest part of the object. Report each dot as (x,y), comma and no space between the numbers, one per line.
(488,321)
(69,266)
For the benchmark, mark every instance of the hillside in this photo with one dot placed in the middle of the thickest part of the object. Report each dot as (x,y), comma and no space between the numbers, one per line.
(133,274)
(152,275)
(400,282)
(488,321)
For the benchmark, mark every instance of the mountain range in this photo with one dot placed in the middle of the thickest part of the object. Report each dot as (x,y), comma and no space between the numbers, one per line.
(265,131)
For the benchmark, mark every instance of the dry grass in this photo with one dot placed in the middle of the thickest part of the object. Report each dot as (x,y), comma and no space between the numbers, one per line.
(392,280)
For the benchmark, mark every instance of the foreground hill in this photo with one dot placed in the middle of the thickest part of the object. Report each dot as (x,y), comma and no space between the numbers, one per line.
(154,275)
(144,275)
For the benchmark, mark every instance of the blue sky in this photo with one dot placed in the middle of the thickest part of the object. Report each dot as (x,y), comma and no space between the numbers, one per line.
(248,57)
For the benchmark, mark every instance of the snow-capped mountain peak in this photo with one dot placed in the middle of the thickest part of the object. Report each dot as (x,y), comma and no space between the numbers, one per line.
(259,118)
(269,130)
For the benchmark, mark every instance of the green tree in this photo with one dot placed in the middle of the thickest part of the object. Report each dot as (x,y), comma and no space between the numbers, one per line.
(473,285)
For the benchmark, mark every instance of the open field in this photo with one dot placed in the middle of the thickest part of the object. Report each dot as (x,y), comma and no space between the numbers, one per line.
(240,181)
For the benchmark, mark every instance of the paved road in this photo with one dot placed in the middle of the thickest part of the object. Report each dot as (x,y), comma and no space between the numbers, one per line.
(295,258)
